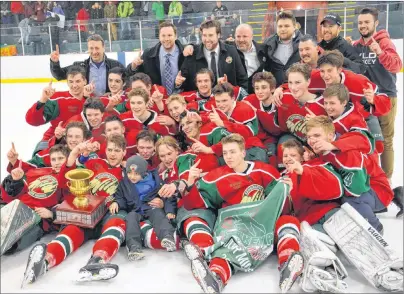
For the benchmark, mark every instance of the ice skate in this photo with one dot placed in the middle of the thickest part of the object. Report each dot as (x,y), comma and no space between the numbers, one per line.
(97,270)
(207,279)
(36,265)
(290,271)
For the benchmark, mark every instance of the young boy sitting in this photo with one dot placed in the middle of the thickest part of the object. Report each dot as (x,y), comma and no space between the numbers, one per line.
(137,188)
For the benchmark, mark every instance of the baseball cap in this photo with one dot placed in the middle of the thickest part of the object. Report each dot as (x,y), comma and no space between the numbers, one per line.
(333,18)
(137,164)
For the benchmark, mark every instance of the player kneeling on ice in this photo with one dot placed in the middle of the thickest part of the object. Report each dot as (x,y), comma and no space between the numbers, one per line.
(134,192)
(316,191)
(31,195)
(249,200)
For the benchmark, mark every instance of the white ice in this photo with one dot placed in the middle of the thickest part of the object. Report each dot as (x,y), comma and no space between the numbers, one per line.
(160,271)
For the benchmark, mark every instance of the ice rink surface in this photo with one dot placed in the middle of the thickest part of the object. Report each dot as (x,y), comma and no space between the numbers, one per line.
(160,271)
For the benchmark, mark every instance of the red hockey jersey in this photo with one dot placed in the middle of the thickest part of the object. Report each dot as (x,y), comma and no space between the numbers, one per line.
(223,187)
(60,107)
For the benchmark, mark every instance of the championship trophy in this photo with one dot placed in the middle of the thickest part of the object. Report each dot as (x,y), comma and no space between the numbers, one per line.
(80,208)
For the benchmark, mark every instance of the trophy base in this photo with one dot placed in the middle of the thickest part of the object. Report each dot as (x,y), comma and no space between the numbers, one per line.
(81,202)
(86,216)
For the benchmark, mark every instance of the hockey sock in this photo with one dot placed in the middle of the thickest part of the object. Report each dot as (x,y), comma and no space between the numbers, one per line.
(287,234)
(198,232)
(150,237)
(113,234)
(68,240)
(222,268)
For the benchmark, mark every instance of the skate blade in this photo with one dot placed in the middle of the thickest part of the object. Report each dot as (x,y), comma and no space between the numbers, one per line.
(295,266)
(200,272)
(102,275)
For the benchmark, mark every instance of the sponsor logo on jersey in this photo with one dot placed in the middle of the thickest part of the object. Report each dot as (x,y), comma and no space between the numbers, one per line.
(253,193)
(43,187)
(296,124)
(103,184)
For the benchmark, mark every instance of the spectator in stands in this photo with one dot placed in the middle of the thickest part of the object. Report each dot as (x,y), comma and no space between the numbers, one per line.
(309,51)
(96,66)
(330,29)
(51,20)
(28,9)
(254,55)
(175,11)
(222,59)
(70,9)
(58,10)
(110,14)
(158,10)
(25,31)
(161,62)
(40,11)
(195,37)
(125,10)
(17,9)
(82,18)
(97,14)
(220,12)
(382,63)
(6,17)
(282,47)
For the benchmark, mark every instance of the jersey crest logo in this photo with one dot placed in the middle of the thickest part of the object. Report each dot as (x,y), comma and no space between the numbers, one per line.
(253,193)
(296,124)
(103,184)
(43,187)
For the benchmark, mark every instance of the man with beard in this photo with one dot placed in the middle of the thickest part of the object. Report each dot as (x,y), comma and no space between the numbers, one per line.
(330,29)
(161,62)
(222,59)
(96,67)
(282,48)
(382,63)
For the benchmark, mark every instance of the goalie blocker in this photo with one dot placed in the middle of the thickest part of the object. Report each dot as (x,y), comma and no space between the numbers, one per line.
(366,249)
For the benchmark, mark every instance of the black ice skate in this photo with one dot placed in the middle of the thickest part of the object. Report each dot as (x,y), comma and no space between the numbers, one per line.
(36,265)
(398,200)
(290,271)
(207,279)
(97,270)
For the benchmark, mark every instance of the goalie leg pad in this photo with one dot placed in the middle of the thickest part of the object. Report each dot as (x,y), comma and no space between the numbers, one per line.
(366,249)
(323,270)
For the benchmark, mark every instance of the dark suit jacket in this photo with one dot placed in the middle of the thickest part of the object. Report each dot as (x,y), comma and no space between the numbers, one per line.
(151,63)
(229,63)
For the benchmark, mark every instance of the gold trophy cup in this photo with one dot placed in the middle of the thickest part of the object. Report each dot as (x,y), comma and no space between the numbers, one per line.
(79,185)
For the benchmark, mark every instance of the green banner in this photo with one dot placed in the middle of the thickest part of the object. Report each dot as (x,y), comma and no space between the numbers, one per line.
(244,233)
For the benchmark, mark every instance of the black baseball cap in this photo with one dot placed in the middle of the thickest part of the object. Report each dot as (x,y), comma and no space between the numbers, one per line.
(333,18)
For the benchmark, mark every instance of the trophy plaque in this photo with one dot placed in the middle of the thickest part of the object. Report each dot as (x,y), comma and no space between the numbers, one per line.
(80,208)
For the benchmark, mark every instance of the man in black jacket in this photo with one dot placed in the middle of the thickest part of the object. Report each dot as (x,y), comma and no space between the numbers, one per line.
(254,55)
(220,58)
(330,29)
(96,66)
(163,61)
(283,47)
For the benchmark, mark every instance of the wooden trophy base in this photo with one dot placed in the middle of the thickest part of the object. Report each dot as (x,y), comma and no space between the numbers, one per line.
(68,214)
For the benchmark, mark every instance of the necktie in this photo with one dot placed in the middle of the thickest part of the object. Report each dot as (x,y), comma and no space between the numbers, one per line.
(213,64)
(168,75)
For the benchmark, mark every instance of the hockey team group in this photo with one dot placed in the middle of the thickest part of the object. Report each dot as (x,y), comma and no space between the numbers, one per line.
(229,150)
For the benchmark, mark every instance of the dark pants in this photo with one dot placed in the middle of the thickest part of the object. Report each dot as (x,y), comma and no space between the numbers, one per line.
(158,220)
(367,204)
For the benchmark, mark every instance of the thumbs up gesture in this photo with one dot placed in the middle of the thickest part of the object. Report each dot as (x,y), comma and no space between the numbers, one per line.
(17,173)
(89,89)
(60,130)
(222,79)
(375,47)
(55,54)
(12,154)
(179,79)
(47,92)
(215,118)
(137,61)
(194,173)
(369,93)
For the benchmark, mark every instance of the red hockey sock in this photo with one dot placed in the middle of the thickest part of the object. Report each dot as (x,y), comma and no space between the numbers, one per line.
(113,234)
(222,268)
(198,232)
(150,237)
(287,233)
(67,241)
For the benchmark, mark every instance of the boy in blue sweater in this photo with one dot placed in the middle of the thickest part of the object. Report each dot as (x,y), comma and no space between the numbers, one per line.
(135,190)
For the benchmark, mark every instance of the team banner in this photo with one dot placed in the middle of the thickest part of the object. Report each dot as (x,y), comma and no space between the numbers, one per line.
(244,233)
